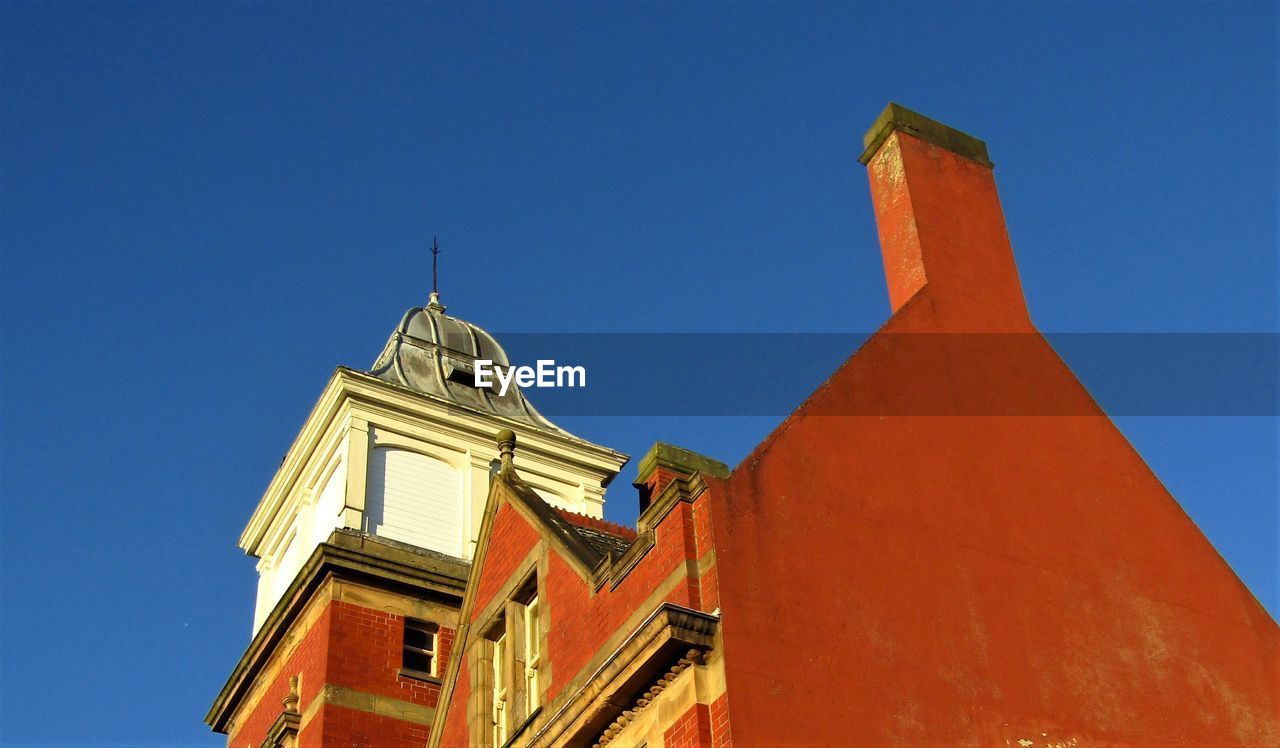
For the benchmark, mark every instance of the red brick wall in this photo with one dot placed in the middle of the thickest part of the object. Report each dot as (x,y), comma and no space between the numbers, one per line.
(309,660)
(660,479)
(355,647)
(515,538)
(512,539)
(691,730)
(581,621)
(702,726)
(703,543)
(367,649)
(720,736)
(351,728)
(456,732)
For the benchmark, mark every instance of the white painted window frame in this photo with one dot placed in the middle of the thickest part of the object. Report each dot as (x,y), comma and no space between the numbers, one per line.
(500,718)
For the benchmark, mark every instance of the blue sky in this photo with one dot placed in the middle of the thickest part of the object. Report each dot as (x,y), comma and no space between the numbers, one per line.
(205,207)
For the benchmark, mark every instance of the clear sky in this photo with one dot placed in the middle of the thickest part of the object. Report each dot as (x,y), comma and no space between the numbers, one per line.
(206,207)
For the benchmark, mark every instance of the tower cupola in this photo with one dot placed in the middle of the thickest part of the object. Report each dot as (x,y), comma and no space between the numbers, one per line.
(403,453)
(434,354)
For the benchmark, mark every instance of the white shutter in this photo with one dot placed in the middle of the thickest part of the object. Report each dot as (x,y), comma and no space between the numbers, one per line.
(414,499)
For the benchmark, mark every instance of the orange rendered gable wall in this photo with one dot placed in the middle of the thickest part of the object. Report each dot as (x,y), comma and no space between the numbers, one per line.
(941,579)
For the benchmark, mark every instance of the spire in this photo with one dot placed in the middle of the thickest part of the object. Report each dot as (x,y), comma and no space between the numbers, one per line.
(434,301)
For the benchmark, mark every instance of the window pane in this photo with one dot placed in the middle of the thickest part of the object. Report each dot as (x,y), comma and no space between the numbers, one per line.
(418,661)
(417,638)
(419,645)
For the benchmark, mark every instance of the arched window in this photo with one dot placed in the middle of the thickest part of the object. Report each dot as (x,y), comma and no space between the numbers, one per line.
(414,499)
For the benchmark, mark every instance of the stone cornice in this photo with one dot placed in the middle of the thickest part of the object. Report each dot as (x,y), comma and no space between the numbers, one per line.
(347,555)
(691,658)
(349,390)
(668,634)
(480,425)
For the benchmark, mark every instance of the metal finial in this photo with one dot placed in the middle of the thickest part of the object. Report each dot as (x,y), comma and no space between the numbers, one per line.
(435,270)
(434,301)
(506,447)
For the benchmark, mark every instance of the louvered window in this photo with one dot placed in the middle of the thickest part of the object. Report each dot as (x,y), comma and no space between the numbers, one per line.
(414,499)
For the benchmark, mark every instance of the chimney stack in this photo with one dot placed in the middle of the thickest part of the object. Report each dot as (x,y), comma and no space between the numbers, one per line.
(942,232)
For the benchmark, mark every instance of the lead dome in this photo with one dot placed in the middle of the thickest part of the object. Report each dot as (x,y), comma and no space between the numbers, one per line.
(434,354)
